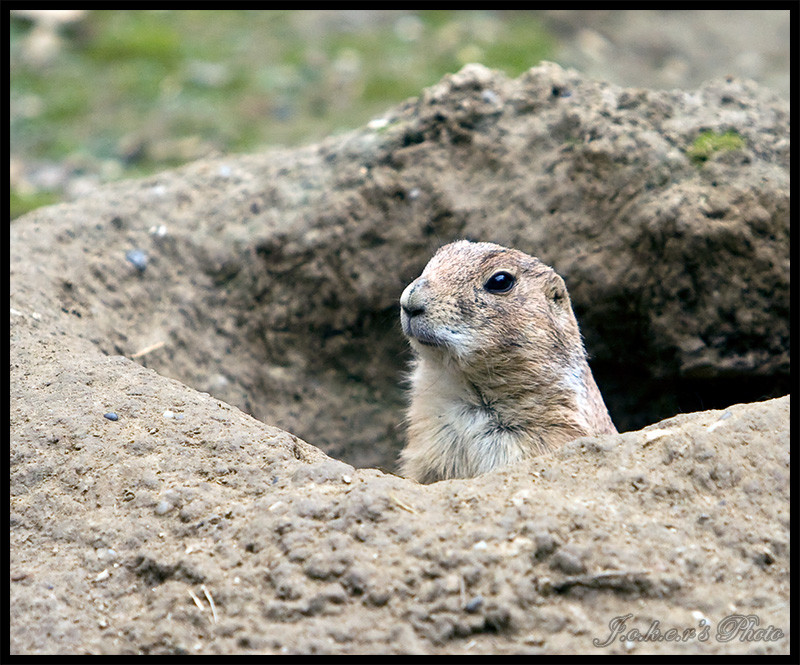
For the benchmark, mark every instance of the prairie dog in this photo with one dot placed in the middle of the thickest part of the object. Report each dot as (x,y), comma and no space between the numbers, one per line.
(500,371)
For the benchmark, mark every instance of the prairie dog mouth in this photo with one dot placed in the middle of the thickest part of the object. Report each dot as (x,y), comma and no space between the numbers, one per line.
(419,332)
(447,340)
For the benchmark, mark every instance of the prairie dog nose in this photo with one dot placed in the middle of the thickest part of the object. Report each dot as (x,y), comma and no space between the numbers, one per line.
(412,301)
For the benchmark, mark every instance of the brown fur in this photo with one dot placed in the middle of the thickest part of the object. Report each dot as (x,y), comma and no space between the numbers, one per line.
(497,377)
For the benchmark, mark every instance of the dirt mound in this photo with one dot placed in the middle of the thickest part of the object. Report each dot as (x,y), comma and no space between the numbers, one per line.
(149,517)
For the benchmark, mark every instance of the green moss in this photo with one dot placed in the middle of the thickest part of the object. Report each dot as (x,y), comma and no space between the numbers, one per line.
(708,143)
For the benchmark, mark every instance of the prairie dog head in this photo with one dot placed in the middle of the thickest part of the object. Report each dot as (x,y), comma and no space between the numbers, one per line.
(478,301)
(500,372)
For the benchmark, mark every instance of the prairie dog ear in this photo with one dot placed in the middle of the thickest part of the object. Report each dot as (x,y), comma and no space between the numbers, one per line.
(555,289)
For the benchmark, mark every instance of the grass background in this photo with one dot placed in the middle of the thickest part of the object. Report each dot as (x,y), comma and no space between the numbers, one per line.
(129,92)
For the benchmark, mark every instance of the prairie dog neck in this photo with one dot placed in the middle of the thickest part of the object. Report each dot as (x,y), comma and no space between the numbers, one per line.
(463,427)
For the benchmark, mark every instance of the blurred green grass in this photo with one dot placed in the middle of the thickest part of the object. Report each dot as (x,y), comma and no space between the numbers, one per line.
(130,92)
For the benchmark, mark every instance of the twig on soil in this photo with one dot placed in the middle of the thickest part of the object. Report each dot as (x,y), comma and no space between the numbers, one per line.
(197,601)
(210,601)
(402,505)
(148,349)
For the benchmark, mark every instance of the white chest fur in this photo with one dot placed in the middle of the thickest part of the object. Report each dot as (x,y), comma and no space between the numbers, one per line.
(451,433)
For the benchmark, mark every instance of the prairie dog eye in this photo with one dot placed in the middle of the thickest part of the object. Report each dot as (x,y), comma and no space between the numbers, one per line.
(500,282)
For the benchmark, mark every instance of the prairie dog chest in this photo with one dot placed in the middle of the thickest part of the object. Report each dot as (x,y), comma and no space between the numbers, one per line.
(452,430)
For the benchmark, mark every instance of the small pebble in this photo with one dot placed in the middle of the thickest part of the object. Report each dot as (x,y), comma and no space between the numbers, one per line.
(164,507)
(169,500)
(654,434)
(138,258)
(106,553)
(474,605)
(545,545)
(720,421)
(568,561)
(378,123)
(490,96)
(111,415)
